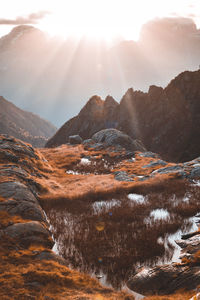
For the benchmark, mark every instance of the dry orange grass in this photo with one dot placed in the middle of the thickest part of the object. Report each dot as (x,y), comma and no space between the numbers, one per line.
(181,295)
(58,185)
(29,276)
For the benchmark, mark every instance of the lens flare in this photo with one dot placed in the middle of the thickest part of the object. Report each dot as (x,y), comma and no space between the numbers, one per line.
(100,226)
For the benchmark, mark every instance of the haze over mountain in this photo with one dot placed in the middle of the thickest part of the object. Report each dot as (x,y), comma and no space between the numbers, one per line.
(24,125)
(167,121)
(37,71)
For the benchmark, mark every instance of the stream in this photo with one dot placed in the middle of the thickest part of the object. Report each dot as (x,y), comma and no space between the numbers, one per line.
(112,239)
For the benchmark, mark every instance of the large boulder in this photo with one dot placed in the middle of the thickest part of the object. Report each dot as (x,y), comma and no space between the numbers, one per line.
(17,191)
(114,137)
(75,139)
(165,279)
(30,233)
(25,209)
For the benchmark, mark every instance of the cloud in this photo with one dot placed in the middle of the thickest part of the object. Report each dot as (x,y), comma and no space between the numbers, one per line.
(32,18)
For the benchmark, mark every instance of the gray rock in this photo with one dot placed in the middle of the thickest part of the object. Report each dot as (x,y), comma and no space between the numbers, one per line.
(17,191)
(8,156)
(27,210)
(114,137)
(165,279)
(20,148)
(49,255)
(189,246)
(98,146)
(88,142)
(75,139)
(155,163)
(30,233)
(167,170)
(13,170)
(122,176)
(195,173)
(149,154)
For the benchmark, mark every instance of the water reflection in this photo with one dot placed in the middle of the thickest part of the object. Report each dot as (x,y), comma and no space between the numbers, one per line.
(111,239)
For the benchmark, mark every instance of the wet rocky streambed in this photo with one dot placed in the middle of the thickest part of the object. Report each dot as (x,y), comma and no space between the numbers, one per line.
(112,239)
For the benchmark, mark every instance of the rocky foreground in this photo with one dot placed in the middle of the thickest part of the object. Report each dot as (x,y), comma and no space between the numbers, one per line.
(29,269)
(31,178)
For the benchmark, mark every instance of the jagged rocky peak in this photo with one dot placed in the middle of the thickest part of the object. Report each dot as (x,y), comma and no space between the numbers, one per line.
(155,90)
(128,94)
(110,101)
(110,106)
(187,83)
(166,120)
(93,106)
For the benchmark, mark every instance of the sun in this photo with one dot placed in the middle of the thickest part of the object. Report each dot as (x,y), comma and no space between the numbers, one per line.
(94,19)
(106,19)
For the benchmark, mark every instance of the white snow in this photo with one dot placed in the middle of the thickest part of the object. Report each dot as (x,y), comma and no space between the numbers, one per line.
(137,198)
(159,214)
(85,161)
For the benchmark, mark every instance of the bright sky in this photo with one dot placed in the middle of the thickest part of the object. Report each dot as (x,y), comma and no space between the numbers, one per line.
(97,18)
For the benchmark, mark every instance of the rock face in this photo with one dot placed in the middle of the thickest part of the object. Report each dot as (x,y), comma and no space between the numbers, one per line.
(24,125)
(167,121)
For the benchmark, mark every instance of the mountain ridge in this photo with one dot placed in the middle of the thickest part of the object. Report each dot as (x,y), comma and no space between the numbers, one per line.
(167,120)
(24,125)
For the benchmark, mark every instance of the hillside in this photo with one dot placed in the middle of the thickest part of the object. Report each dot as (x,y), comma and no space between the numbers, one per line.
(167,121)
(24,125)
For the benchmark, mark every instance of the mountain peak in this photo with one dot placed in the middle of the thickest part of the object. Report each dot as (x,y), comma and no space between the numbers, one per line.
(110,101)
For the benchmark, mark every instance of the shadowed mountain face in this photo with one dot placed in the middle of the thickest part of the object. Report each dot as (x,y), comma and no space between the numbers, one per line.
(37,71)
(24,125)
(167,121)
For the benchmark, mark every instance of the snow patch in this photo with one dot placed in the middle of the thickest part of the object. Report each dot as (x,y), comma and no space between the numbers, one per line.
(136,198)
(85,161)
(160,214)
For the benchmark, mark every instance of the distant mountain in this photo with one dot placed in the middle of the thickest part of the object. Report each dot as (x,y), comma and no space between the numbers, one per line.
(167,121)
(38,71)
(24,125)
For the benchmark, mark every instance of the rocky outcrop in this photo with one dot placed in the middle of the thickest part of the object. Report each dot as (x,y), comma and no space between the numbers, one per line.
(24,125)
(165,279)
(19,194)
(94,116)
(169,278)
(75,139)
(165,120)
(114,137)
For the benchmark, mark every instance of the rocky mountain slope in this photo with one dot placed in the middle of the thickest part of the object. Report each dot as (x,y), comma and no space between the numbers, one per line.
(24,125)
(167,121)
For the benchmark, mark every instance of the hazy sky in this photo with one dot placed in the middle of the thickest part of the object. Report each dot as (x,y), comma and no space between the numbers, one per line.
(55,78)
(96,18)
